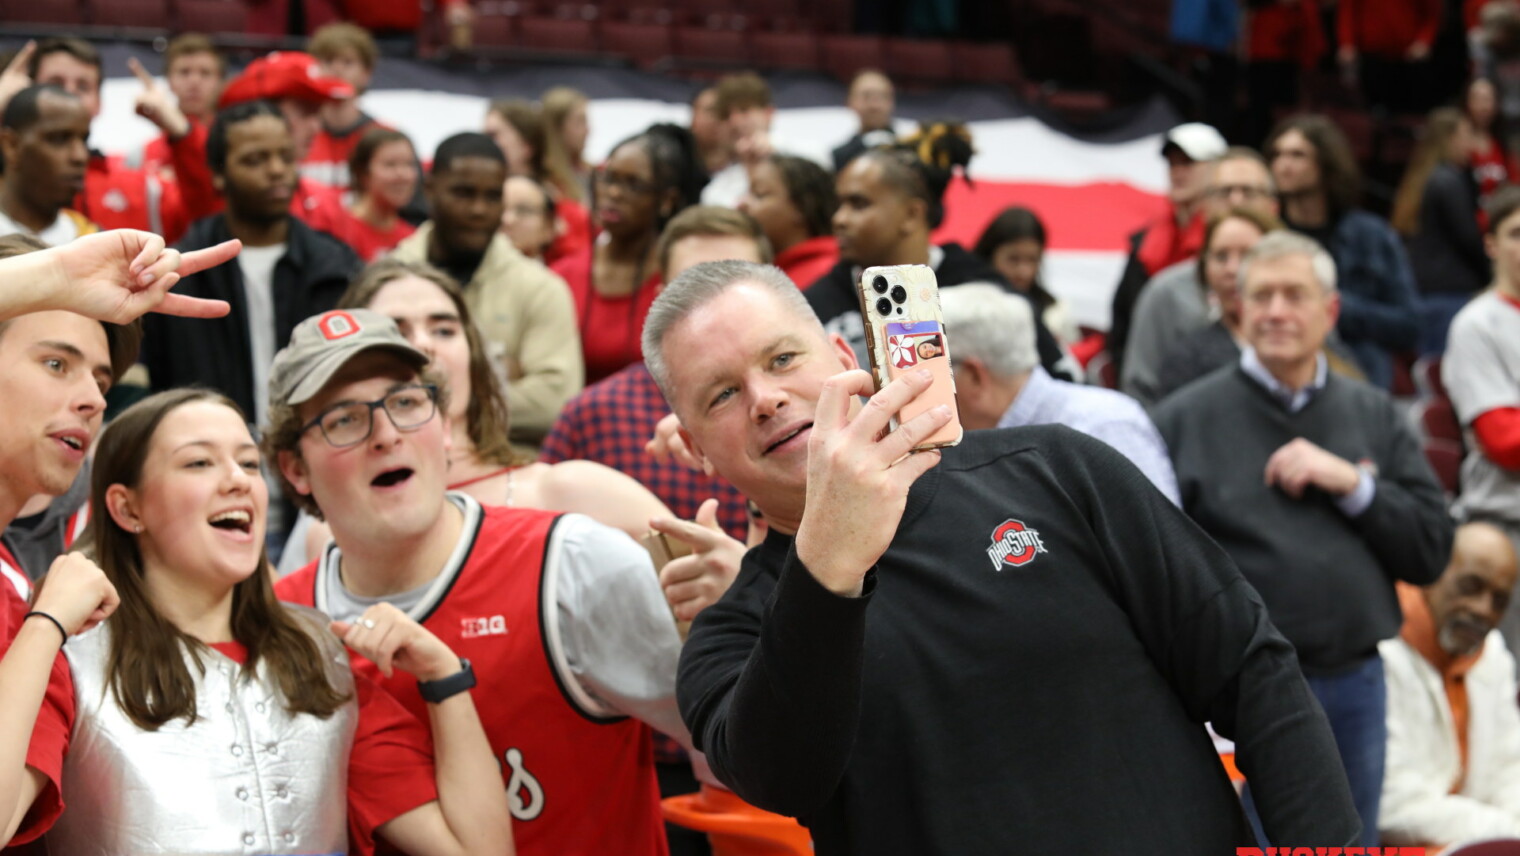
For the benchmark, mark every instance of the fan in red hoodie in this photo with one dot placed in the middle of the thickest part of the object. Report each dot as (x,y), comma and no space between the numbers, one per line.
(195,71)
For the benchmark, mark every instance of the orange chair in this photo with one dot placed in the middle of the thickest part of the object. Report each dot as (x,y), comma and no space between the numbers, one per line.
(735,827)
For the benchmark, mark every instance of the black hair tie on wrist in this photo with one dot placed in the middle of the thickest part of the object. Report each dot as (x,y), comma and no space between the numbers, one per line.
(56,623)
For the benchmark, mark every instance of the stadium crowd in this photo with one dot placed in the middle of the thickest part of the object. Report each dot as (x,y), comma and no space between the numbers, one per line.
(362,499)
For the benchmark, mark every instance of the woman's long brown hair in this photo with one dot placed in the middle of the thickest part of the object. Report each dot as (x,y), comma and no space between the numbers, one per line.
(146,668)
(486,417)
(1442,124)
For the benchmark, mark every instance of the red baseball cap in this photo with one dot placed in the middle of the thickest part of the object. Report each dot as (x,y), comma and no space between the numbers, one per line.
(284,74)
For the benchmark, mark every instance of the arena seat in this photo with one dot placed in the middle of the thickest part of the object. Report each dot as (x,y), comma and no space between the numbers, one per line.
(845,55)
(711,48)
(1438,420)
(1445,458)
(211,16)
(57,12)
(714,14)
(736,828)
(993,64)
(560,35)
(494,31)
(1494,847)
(153,14)
(644,45)
(793,51)
(772,15)
(919,61)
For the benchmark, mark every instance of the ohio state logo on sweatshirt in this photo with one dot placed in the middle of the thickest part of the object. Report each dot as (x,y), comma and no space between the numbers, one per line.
(1015,544)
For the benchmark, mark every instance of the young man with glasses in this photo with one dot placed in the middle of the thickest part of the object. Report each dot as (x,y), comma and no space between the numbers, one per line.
(524,310)
(571,646)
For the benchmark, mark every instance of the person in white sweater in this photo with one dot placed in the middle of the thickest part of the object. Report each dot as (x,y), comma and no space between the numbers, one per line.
(1453,768)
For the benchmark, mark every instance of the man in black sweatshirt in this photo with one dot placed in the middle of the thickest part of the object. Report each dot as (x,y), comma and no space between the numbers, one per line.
(1316,486)
(1013,651)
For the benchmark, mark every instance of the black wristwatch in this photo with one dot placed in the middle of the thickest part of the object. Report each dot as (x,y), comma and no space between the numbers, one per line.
(443,688)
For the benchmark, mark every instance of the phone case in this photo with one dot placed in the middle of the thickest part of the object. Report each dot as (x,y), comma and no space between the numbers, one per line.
(905,331)
(662,551)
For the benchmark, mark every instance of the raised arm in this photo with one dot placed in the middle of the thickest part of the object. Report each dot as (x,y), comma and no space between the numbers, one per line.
(470,816)
(75,595)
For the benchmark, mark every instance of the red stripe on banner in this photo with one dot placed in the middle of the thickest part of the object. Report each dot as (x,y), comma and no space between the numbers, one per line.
(1093,217)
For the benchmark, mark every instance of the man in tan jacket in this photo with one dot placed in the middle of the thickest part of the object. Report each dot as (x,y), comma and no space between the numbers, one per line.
(525,311)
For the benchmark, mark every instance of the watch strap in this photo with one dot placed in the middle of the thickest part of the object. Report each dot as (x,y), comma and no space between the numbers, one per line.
(445,688)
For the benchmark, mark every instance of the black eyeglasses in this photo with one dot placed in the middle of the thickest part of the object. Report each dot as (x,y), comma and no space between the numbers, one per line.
(351,423)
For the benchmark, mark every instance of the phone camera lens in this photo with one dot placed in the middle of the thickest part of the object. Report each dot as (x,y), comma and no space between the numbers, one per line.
(899,294)
(884,306)
(880,284)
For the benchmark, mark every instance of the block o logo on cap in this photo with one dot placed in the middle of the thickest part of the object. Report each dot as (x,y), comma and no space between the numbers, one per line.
(337,324)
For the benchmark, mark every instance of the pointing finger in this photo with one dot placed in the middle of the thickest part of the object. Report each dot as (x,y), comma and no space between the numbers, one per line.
(199,260)
(141,73)
(23,58)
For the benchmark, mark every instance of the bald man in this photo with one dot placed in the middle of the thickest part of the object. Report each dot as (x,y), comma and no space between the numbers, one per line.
(1453,769)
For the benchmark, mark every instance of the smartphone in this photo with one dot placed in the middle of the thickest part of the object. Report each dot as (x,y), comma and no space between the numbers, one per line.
(905,331)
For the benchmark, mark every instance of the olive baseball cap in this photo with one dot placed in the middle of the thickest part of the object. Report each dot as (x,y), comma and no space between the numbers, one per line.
(323,344)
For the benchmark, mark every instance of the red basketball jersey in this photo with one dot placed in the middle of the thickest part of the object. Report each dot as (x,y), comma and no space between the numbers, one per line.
(578,783)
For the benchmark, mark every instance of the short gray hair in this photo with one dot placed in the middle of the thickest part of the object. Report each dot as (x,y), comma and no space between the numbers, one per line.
(701,284)
(1285,243)
(985,322)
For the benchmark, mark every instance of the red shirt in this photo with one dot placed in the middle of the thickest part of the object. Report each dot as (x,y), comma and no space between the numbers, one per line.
(390,767)
(1387,28)
(1286,32)
(575,237)
(119,196)
(50,735)
(806,262)
(1491,169)
(579,784)
(368,241)
(610,326)
(326,161)
(1165,243)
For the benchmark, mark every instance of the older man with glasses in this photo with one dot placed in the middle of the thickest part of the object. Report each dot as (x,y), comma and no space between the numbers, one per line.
(569,645)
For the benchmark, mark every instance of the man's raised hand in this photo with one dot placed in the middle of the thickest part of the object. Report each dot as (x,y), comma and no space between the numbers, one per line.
(156,105)
(119,275)
(859,476)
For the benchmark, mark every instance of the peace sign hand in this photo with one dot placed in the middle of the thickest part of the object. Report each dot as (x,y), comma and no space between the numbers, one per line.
(117,276)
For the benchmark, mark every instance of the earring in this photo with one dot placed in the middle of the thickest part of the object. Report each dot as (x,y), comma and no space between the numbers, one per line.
(137,528)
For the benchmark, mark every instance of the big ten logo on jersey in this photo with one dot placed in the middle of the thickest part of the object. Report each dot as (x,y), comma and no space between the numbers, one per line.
(525,796)
(474,628)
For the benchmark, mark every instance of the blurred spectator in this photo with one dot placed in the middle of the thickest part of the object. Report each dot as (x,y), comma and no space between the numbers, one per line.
(295,84)
(395,22)
(889,202)
(1284,39)
(1201,351)
(1274,455)
(646,180)
(528,216)
(1174,303)
(566,130)
(793,199)
(344,52)
(611,420)
(1492,165)
(1231,236)
(1436,211)
(999,382)
(195,70)
(709,130)
(744,105)
(116,194)
(285,273)
(1175,234)
(43,136)
(383,169)
(517,126)
(1014,243)
(1496,56)
(1387,43)
(1481,372)
(1319,184)
(872,100)
(523,310)
(1453,730)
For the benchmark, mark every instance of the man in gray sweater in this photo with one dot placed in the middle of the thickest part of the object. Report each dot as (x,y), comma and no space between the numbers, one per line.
(1317,488)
